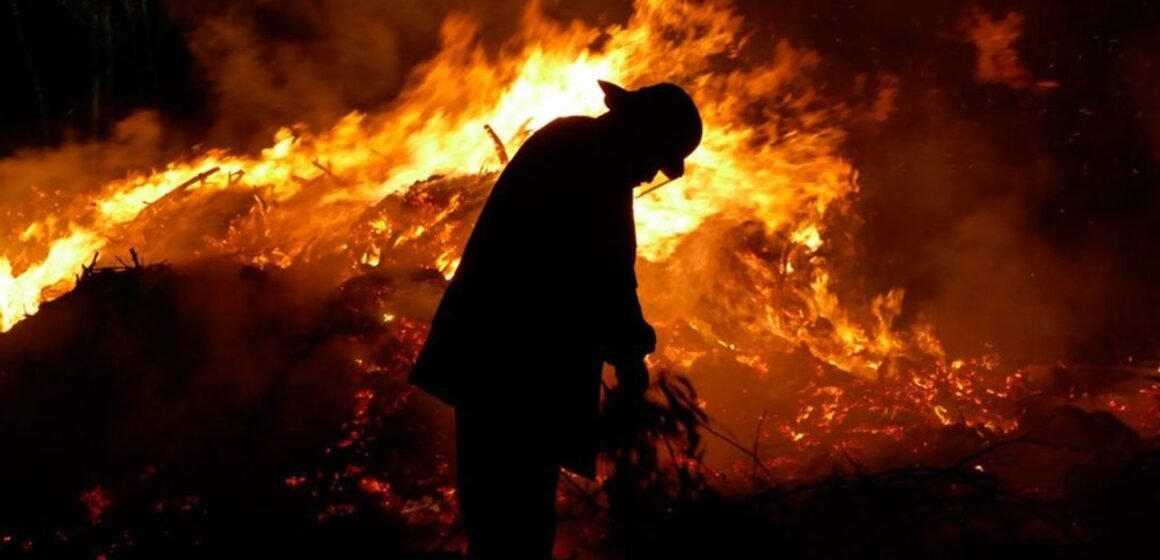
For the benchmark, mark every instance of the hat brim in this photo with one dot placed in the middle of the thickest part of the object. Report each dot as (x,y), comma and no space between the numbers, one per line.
(674,169)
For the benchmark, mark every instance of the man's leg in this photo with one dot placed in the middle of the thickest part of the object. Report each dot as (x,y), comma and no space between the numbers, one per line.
(507,487)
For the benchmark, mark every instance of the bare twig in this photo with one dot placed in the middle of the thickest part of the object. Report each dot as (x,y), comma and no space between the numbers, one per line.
(756,439)
(88,270)
(742,448)
(653,189)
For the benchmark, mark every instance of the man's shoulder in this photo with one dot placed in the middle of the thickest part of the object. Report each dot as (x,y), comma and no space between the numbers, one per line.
(574,128)
(562,141)
(574,122)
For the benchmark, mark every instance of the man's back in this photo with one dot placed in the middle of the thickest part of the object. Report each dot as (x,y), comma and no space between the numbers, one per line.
(550,256)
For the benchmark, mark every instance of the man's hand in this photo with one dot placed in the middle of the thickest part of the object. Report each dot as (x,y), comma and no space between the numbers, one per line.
(632,376)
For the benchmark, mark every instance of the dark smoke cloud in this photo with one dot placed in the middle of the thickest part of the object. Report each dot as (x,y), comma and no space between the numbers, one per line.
(1012,211)
(134,143)
(274,63)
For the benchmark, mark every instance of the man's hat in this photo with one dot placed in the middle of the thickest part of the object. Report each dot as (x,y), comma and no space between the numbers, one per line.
(668,112)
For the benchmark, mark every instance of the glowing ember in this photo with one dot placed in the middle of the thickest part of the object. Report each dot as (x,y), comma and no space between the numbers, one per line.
(997,60)
(97,501)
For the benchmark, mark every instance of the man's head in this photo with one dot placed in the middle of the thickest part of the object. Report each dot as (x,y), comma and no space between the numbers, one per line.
(660,125)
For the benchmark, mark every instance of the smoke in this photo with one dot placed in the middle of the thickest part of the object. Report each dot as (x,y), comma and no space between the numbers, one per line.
(135,143)
(950,218)
(42,182)
(1008,190)
(270,64)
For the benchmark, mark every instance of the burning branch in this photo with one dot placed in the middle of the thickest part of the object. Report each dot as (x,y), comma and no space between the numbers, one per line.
(176,192)
(500,150)
(326,170)
(135,262)
(135,258)
(87,270)
(199,178)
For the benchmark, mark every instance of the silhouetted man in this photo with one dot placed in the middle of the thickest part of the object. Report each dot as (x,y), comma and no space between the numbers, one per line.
(545,293)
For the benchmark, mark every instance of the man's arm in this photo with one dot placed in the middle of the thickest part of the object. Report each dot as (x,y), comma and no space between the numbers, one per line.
(630,337)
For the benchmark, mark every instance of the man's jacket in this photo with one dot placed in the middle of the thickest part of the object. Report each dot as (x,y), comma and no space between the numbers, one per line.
(544,294)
